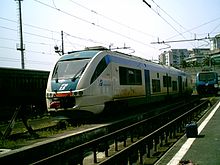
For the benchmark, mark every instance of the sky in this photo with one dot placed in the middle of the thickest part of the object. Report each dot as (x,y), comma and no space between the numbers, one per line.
(131,24)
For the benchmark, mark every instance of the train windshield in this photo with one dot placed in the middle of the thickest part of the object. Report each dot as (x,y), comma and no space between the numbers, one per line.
(69,69)
(206,76)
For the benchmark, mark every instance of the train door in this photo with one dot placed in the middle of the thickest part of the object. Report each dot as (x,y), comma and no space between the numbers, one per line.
(180,84)
(147,82)
(115,81)
(168,83)
(105,83)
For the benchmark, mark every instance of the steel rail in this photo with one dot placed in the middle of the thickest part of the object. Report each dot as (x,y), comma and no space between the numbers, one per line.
(79,152)
(138,144)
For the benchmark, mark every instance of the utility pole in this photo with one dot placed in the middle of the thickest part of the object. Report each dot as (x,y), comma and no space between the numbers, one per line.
(21,47)
(57,49)
(62,42)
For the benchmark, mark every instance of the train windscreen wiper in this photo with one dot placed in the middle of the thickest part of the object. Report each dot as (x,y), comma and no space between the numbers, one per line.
(78,73)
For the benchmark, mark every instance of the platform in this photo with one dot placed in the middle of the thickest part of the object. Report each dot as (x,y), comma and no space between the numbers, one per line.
(202,150)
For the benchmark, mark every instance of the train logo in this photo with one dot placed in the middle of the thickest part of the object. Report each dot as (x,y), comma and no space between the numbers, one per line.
(63,86)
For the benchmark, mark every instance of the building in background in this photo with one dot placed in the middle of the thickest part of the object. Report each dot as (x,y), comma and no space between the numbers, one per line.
(174,57)
(197,56)
(215,53)
(162,58)
(215,43)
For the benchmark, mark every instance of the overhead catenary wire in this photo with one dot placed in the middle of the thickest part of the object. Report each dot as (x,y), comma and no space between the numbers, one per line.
(39,52)
(29,25)
(112,20)
(186,40)
(17,60)
(94,24)
(84,39)
(197,27)
(187,31)
(74,41)
(16,40)
(43,36)
(45,29)
(33,34)
(170,16)
(214,29)
(44,43)
(181,34)
(163,18)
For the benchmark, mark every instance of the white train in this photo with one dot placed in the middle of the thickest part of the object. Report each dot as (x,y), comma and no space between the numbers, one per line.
(91,80)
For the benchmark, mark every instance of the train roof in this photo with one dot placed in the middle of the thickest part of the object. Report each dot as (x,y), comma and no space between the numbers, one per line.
(7,68)
(149,64)
(83,54)
(206,72)
(21,72)
(90,52)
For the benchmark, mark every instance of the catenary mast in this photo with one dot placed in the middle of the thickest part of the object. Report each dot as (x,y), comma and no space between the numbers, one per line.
(21,46)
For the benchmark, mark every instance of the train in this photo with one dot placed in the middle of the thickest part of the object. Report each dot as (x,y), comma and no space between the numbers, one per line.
(95,80)
(207,83)
(22,87)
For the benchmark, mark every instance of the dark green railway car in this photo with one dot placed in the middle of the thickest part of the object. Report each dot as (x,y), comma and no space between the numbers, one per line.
(22,87)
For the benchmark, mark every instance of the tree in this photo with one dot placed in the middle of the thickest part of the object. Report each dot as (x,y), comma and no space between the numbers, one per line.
(183,63)
(206,60)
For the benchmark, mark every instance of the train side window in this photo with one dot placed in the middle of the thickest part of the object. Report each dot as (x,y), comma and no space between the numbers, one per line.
(122,76)
(174,85)
(166,81)
(155,85)
(129,76)
(158,75)
(99,69)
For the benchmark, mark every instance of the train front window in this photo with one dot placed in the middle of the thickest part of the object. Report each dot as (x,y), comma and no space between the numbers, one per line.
(70,69)
(206,76)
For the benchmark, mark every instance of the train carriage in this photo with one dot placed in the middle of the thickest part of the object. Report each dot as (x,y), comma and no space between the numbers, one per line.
(22,87)
(90,80)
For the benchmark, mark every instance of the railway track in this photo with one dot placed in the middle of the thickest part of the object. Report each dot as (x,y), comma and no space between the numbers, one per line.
(47,123)
(108,141)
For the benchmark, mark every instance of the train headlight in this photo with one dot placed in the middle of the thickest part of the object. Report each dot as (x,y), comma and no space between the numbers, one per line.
(49,95)
(80,93)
